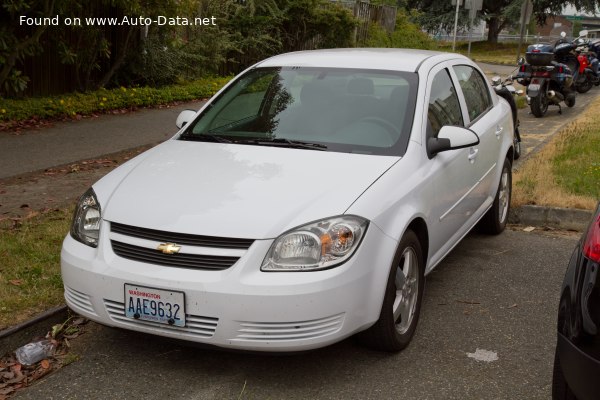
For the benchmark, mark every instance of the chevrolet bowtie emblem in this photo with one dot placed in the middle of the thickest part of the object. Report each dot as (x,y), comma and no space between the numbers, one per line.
(169,248)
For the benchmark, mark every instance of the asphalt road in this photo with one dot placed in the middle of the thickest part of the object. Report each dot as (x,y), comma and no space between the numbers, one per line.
(498,294)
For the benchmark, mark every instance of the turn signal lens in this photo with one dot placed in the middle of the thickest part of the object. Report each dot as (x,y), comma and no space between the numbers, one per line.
(591,246)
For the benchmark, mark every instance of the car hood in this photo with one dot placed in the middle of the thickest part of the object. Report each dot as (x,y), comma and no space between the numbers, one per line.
(231,190)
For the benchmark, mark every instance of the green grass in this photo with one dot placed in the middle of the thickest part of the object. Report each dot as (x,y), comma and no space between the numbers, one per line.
(577,165)
(103,100)
(30,280)
(482,51)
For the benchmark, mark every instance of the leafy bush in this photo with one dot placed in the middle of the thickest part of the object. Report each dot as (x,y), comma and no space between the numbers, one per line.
(405,35)
(104,100)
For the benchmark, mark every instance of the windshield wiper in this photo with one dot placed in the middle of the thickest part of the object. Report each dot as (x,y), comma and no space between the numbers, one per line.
(281,142)
(204,138)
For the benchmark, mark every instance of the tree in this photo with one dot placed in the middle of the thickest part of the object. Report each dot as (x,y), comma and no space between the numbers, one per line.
(498,14)
(18,42)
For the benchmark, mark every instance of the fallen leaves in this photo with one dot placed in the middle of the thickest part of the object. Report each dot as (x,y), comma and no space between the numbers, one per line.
(16,282)
(14,375)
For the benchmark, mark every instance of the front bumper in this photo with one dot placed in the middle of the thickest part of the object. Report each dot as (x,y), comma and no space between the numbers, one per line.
(580,370)
(240,307)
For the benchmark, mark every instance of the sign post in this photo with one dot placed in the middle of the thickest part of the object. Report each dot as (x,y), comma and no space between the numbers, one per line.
(458,3)
(473,6)
(526,11)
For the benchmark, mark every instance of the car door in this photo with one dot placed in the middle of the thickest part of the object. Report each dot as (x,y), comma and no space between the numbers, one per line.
(485,120)
(452,173)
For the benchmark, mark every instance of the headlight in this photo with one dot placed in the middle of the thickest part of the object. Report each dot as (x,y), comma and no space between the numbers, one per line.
(86,220)
(316,246)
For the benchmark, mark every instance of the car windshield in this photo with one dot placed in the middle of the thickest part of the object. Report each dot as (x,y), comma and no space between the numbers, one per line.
(334,109)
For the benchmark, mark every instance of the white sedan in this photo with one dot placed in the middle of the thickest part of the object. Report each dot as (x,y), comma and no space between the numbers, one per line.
(303,204)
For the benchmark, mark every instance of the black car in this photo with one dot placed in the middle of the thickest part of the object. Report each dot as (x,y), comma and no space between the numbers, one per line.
(577,360)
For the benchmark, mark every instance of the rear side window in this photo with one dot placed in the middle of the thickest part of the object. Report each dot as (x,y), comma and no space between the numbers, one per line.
(475,89)
(444,108)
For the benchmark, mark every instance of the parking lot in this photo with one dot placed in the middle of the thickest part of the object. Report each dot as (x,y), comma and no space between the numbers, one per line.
(492,297)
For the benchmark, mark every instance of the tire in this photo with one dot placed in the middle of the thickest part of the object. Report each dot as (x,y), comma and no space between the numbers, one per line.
(560,389)
(584,86)
(570,101)
(401,306)
(539,105)
(517,146)
(494,221)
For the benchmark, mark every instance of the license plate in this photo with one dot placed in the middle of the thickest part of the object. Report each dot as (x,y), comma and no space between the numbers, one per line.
(533,88)
(155,305)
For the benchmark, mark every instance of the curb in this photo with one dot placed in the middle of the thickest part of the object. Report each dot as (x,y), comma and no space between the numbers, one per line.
(560,218)
(16,336)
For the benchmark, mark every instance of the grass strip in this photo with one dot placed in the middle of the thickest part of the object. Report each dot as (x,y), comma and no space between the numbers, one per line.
(482,51)
(103,100)
(566,172)
(30,280)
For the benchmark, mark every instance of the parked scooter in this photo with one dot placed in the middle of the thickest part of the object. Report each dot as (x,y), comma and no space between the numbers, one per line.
(594,53)
(576,55)
(548,82)
(506,90)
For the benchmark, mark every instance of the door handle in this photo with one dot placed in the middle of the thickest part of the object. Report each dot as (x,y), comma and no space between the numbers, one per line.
(499,130)
(473,154)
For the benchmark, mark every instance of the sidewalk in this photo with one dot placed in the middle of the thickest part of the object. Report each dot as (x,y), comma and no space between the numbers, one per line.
(52,167)
(67,142)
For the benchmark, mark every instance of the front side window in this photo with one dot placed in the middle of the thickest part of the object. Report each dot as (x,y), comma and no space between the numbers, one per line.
(347,110)
(444,108)
(475,90)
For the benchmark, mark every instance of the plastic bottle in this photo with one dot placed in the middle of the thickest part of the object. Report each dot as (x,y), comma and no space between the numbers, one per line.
(34,352)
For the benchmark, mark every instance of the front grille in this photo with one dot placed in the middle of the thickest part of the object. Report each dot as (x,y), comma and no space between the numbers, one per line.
(283,331)
(195,325)
(181,260)
(181,238)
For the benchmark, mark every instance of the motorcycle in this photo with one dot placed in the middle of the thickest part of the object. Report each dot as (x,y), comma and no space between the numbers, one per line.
(506,90)
(594,52)
(577,56)
(548,82)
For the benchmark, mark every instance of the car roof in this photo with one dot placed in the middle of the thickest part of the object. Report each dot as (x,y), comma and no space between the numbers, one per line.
(362,58)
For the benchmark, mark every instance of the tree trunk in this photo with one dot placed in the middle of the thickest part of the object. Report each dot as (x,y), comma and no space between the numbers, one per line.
(495,26)
(118,61)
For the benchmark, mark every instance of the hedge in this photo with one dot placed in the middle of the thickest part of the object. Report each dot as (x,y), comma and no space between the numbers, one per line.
(104,100)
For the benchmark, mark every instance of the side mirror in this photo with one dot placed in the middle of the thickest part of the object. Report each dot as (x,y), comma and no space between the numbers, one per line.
(184,117)
(496,80)
(583,32)
(451,138)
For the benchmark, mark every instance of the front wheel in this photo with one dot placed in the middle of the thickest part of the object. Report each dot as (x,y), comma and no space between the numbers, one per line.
(584,86)
(402,299)
(539,104)
(494,221)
